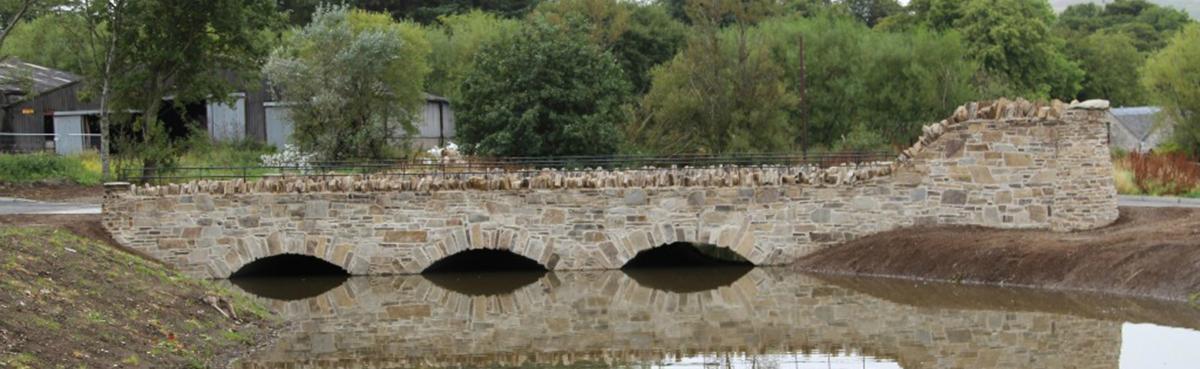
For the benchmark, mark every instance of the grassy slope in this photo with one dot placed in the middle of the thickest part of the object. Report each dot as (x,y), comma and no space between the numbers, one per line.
(71,302)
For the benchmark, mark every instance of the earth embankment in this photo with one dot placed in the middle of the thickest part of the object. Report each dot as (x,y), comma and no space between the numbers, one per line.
(1149,252)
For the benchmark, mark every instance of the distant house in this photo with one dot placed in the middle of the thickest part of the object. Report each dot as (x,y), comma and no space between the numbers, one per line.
(43,111)
(1139,129)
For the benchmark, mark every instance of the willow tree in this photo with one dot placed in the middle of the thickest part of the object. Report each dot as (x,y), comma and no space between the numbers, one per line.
(354,79)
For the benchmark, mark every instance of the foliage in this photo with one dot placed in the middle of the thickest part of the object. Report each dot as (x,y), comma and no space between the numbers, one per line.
(896,83)
(355,78)
(1012,38)
(42,167)
(1110,63)
(724,92)
(182,50)
(1163,174)
(542,92)
(455,41)
(50,40)
(872,11)
(1149,26)
(640,36)
(1172,78)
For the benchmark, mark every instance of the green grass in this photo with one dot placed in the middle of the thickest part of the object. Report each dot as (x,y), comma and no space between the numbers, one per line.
(83,169)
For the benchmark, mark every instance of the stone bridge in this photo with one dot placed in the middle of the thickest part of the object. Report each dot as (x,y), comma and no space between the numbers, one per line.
(571,319)
(997,164)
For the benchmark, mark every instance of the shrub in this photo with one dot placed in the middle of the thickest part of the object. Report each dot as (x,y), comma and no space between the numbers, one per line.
(1164,174)
(31,168)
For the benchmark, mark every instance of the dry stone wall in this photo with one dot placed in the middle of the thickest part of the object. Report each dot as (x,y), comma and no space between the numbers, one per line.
(1001,164)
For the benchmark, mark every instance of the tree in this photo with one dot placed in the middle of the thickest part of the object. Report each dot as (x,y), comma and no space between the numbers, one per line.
(179,50)
(51,40)
(455,41)
(723,93)
(354,77)
(543,92)
(1148,25)
(1012,39)
(872,11)
(896,82)
(1172,77)
(640,36)
(1110,63)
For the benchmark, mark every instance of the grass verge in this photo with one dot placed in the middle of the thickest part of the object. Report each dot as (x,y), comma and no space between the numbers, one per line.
(73,302)
(83,169)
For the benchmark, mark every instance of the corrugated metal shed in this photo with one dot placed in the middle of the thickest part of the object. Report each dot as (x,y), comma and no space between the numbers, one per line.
(21,78)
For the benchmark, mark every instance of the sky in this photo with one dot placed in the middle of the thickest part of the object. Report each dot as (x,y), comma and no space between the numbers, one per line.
(1191,6)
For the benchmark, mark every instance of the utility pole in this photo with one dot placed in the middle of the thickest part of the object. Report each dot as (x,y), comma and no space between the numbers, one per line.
(803,92)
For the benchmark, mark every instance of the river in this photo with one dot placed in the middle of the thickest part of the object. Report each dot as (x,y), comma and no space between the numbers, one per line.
(708,318)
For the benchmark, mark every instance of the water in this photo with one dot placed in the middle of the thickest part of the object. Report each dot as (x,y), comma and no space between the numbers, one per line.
(713,318)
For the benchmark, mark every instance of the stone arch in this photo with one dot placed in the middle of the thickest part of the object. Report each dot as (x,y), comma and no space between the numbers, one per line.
(517,240)
(739,237)
(240,252)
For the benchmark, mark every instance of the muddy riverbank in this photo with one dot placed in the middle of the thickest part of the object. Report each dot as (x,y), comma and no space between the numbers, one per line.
(1149,252)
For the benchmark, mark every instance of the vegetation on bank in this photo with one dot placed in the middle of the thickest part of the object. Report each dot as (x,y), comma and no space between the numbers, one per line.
(82,169)
(711,77)
(1157,174)
(74,302)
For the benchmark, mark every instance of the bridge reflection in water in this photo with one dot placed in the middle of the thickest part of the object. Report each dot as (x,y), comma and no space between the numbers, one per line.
(764,318)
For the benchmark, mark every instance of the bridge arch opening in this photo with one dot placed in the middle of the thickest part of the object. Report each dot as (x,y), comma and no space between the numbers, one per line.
(484,260)
(289,277)
(686,255)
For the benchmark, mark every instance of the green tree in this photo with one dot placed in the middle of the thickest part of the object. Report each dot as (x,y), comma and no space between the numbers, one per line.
(1012,39)
(543,92)
(640,36)
(355,78)
(179,50)
(896,82)
(1149,25)
(1172,77)
(51,40)
(455,41)
(724,92)
(872,11)
(1110,63)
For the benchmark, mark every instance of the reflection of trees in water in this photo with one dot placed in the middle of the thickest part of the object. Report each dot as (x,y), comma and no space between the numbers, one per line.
(568,318)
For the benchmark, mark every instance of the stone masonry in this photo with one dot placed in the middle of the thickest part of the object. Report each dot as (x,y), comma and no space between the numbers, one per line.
(997,164)
(572,319)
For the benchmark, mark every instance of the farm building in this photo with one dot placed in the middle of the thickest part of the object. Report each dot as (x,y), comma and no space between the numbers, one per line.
(1138,129)
(44,111)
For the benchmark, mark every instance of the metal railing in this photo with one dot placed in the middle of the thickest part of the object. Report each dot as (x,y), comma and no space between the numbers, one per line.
(44,142)
(476,166)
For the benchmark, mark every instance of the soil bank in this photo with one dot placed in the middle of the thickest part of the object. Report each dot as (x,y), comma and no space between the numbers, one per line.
(69,299)
(1148,252)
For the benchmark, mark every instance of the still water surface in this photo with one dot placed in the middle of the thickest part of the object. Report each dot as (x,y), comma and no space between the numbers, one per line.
(709,318)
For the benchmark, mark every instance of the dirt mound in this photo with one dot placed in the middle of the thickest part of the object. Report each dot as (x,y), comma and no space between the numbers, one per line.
(1153,252)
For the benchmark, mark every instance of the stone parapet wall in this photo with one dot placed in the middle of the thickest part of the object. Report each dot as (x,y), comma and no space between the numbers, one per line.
(1003,164)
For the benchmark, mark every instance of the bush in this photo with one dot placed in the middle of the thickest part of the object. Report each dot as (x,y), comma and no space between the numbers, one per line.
(32,168)
(1164,174)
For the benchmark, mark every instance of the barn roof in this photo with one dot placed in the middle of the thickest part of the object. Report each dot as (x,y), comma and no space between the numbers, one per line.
(1139,120)
(21,78)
